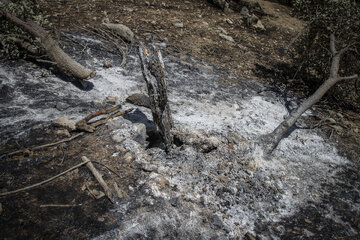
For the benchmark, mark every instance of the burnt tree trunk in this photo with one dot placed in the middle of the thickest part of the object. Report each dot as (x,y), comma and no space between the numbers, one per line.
(52,49)
(272,140)
(153,69)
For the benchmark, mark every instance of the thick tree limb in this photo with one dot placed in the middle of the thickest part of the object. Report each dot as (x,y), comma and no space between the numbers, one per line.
(52,49)
(272,140)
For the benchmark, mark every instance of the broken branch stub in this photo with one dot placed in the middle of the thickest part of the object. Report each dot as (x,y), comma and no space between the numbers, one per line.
(153,69)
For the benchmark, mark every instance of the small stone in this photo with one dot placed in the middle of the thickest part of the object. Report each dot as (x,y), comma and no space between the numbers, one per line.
(205,23)
(117,138)
(162,182)
(222,30)
(63,132)
(111,100)
(63,122)
(62,106)
(217,222)
(308,234)
(226,37)
(229,21)
(223,179)
(140,135)
(174,202)
(259,26)
(96,104)
(241,47)
(178,25)
(107,64)
(252,20)
(339,115)
(139,100)
(153,22)
(244,12)
(101,219)
(128,157)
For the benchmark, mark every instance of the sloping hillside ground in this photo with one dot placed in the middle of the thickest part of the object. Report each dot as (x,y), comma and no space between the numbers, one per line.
(214,184)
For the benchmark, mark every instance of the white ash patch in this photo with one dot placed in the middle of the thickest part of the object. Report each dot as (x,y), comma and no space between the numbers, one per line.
(223,184)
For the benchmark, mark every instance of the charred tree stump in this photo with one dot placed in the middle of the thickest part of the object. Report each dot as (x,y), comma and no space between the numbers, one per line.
(153,69)
(272,140)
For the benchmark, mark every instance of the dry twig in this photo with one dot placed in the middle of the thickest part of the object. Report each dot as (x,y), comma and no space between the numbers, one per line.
(44,146)
(99,178)
(45,181)
(59,205)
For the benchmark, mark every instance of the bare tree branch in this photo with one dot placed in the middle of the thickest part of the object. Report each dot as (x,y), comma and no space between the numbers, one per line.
(332,44)
(272,140)
(349,77)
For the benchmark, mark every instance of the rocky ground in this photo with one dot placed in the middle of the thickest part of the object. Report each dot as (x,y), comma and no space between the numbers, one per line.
(215,182)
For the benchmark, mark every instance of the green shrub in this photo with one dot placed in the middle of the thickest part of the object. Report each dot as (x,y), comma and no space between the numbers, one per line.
(342,17)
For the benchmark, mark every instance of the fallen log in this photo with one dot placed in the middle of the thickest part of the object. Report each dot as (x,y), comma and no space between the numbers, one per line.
(63,61)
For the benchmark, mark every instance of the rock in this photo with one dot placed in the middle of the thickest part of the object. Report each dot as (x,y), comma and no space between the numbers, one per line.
(222,30)
(63,122)
(6,93)
(63,132)
(111,100)
(251,20)
(121,30)
(259,26)
(178,25)
(241,47)
(174,202)
(228,20)
(223,179)
(117,138)
(205,23)
(107,64)
(139,99)
(217,222)
(116,123)
(226,37)
(245,12)
(140,135)
(128,157)
(62,106)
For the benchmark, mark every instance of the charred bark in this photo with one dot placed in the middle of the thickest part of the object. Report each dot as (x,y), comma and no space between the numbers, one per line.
(63,61)
(272,140)
(153,69)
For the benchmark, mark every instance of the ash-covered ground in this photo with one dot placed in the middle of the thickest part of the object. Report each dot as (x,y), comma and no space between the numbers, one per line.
(215,183)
